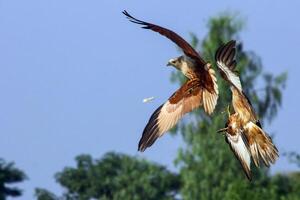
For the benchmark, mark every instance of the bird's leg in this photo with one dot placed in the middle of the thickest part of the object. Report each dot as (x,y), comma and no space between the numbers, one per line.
(228,110)
(223,130)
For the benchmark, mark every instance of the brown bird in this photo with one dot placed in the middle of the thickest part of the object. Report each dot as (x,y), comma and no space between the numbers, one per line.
(200,89)
(243,130)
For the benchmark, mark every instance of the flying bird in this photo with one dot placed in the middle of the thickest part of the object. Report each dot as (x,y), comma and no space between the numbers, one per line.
(200,89)
(243,131)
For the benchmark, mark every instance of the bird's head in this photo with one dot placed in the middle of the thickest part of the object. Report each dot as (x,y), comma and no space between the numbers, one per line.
(175,62)
(232,125)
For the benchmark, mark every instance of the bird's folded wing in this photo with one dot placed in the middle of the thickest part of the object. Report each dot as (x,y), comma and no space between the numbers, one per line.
(239,146)
(184,100)
(260,145)
(225,59)
(184,45)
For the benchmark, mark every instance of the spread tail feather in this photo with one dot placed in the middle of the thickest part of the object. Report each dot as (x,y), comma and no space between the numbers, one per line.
(261,146)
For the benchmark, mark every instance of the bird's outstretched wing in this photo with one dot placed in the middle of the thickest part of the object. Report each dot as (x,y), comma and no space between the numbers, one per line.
(184,45)
(209,81)
(225,59)
(184,100)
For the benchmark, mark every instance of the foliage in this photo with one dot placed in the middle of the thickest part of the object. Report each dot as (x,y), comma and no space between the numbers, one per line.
(9,175)
(293,157)
(115,176)
(43,194)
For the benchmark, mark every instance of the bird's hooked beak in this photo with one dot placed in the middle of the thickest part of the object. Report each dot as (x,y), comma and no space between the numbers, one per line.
(222,130)
(171,62)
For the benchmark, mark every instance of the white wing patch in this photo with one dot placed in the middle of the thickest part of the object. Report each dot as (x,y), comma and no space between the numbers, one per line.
(171,113)
(169,116)
(232,77)
(241,151)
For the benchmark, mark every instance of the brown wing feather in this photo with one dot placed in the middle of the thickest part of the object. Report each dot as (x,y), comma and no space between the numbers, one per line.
(260,145)
(185,46)
(242,106)
(184,100)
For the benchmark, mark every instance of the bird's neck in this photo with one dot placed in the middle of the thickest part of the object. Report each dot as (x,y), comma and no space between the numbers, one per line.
(188,68)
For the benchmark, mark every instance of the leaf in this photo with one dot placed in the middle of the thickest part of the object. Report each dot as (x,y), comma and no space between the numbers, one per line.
(277,95)
(281,79)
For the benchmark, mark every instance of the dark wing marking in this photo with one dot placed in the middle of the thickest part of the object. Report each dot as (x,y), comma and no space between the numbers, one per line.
(185,46)
(226,64)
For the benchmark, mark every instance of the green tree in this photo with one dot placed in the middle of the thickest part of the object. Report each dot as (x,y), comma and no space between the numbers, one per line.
(115,176)
(208,168)
(293,157)
(43,194)
(288,184)
(10,175)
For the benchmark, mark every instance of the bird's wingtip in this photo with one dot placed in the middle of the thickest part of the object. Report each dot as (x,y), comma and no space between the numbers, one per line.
(249,176)
(128,15)
(141,149)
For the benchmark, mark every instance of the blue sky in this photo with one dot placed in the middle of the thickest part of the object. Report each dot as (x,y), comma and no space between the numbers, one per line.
(69,74)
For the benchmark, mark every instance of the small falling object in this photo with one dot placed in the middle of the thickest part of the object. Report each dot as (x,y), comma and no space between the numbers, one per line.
(147,100)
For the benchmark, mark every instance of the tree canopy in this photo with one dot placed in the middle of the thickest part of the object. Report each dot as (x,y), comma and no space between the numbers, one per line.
(9,174)
(115,176)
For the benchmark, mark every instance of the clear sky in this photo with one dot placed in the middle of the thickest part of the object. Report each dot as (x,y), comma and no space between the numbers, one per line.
(73,75)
